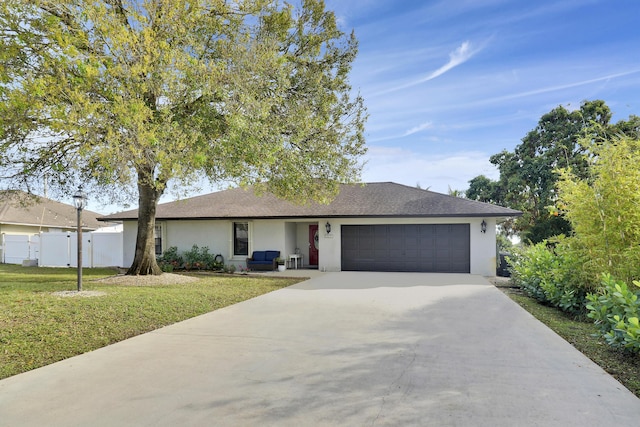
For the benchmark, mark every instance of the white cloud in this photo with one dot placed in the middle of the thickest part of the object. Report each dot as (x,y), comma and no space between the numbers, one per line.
(418,128)
(436,172)
(459,56)
(557,88)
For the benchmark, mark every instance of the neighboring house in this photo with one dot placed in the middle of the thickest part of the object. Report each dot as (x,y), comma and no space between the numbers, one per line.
(24,214)
(370,227)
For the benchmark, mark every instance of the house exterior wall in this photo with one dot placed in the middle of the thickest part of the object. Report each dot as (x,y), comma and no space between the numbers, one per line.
(483,248)
(285,236)
(29,230)
(217,235)
(267,234)
(290,244)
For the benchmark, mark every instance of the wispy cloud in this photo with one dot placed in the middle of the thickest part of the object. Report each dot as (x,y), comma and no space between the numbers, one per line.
(459,56)
(418,128)
(395,134)
(558,87)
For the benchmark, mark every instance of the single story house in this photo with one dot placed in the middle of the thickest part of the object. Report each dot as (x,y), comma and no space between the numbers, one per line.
(25,214)
(368,227)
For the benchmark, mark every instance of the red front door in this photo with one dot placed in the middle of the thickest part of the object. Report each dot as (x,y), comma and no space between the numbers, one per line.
(313,244)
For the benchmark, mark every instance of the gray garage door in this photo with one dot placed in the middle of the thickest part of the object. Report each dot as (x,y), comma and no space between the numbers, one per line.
(406,247)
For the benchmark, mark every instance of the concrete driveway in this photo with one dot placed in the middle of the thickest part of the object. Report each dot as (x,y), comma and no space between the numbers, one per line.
(356,349)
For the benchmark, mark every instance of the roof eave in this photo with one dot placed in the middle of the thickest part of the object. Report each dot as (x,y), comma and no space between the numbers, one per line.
(26,224)
(254,217)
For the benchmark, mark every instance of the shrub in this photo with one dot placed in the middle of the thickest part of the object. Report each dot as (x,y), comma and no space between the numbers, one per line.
(530,267)
(201,259)
(550,273)
(195,258)
(170,260)
(615,310)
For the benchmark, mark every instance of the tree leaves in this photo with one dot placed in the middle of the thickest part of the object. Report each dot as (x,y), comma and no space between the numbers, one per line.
(603,208)
(126,93)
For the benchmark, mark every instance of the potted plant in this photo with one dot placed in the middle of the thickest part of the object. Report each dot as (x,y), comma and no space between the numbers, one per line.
(281,264)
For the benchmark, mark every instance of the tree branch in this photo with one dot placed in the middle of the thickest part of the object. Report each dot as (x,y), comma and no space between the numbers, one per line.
(121,12)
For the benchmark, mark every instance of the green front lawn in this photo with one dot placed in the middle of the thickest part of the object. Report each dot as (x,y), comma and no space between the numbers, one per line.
(38,328)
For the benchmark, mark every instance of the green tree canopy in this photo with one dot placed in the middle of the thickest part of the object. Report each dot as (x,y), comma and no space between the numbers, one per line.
(484,190)
(130,96)
(528,174)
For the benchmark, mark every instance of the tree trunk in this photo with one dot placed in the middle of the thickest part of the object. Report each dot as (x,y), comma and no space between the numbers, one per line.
(144,262)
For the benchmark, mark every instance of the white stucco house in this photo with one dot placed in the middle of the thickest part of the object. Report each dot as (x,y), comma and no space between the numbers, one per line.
(368,227)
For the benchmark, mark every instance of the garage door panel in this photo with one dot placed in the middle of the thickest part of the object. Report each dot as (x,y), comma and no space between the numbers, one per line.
(406,247)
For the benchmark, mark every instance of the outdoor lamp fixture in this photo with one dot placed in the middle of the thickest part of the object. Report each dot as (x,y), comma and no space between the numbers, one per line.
(80,201)
(327,227)
(483,226)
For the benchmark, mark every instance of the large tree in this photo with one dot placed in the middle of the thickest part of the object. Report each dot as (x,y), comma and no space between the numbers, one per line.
(130,96)
(528,175)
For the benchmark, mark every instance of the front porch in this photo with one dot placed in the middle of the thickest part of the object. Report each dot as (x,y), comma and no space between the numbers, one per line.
(301,248)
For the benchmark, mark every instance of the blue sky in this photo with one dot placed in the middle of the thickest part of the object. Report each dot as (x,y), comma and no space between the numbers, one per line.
(449,83)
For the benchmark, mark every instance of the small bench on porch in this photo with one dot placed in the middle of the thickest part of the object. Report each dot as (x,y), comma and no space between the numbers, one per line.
(263,260)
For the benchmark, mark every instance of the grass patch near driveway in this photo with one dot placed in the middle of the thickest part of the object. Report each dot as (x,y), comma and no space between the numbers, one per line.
(623,366)
(38,327)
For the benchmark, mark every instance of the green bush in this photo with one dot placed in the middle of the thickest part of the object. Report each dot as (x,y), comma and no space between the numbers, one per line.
(170,260)
(196,258)
(615,310)
(550,274)
(530,267)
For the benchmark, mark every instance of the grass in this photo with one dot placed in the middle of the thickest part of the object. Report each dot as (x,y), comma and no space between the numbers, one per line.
(38,328)
(623,366)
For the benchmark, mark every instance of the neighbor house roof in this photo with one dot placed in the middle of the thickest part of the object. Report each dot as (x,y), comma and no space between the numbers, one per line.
(381,199)
(20,208)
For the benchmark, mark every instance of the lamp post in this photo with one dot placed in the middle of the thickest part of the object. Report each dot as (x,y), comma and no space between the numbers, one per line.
(80,201)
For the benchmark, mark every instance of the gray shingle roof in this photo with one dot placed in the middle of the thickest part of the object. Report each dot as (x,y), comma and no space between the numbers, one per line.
(18,207)
(382,199)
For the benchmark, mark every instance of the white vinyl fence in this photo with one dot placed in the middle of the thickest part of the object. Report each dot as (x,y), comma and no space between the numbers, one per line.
(61,250)
(99,249)
(16,248)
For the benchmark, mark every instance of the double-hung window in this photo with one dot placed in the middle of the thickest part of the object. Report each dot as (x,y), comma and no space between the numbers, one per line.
(157,237)
(241,239)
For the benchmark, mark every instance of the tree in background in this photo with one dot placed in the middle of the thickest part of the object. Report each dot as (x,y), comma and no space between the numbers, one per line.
(484,190)
(603,209)
(455,193)
(630,127)
(131,96)
(528,175)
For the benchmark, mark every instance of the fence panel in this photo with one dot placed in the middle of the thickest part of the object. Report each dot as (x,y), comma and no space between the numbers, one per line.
(106,249)
(59,249)
(55,249)
(17,248)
